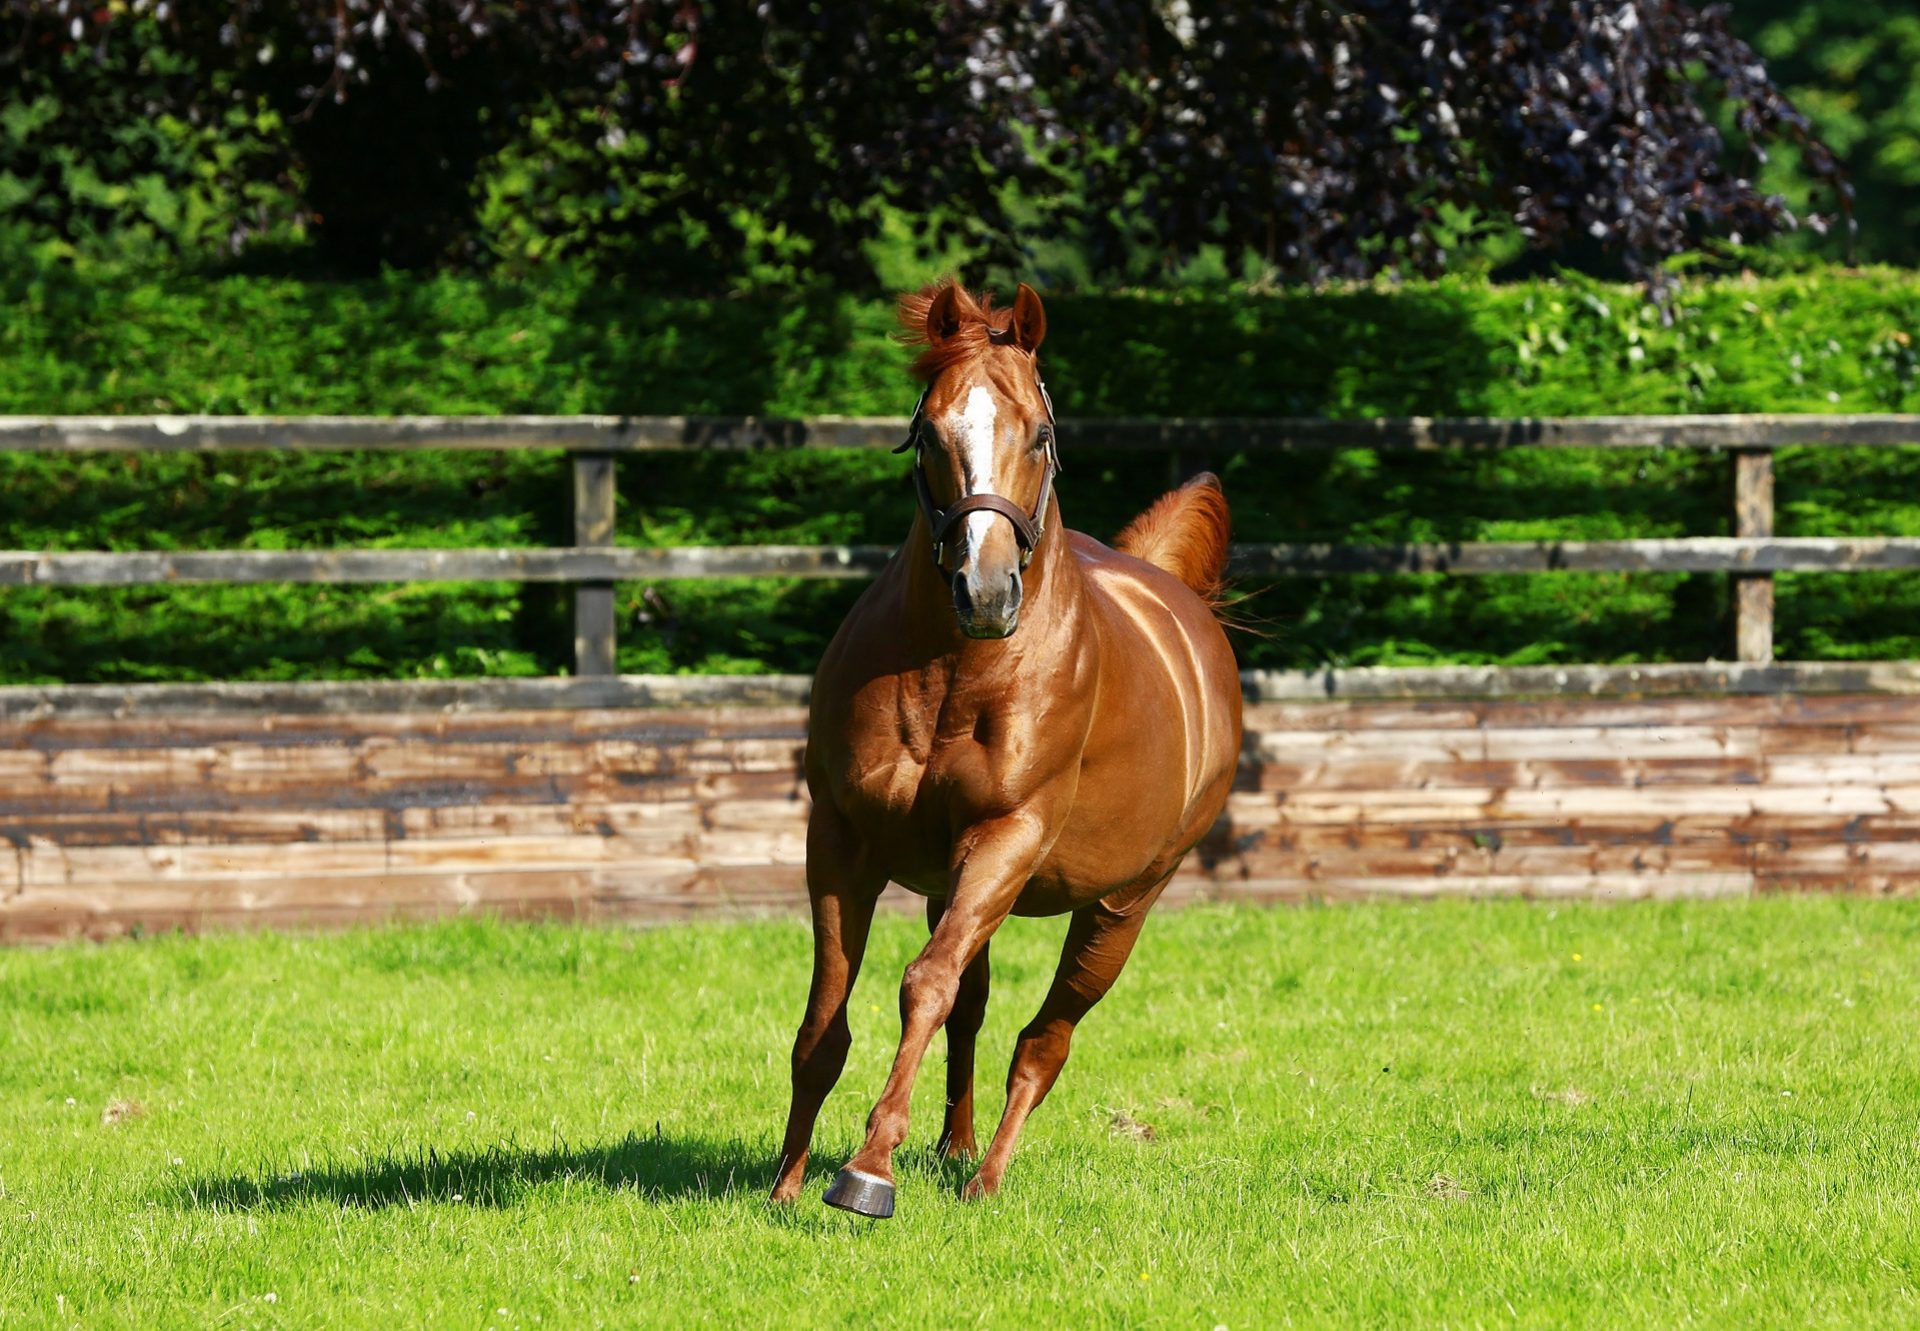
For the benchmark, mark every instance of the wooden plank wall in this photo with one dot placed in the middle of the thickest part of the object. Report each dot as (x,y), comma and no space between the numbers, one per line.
(108,824)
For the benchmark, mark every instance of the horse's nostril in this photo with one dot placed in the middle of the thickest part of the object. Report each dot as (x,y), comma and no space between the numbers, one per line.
(1014,590)
(962,598)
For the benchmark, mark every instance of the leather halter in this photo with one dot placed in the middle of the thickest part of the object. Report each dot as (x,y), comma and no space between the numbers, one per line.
(1027,527)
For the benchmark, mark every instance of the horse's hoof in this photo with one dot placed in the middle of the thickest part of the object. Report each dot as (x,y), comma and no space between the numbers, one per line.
(862,1194)
(978,1189)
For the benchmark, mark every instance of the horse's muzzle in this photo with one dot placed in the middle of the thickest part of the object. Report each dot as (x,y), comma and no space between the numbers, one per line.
(987,606)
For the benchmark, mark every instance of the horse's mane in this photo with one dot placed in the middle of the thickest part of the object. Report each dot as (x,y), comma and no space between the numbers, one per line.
(978,322)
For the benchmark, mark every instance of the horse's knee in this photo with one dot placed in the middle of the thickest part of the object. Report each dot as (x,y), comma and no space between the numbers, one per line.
(929,987)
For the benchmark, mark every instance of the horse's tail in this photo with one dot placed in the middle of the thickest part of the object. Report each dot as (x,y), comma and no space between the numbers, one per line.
(1185,532)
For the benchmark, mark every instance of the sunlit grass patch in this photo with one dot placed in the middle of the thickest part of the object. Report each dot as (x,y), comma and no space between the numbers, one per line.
(1454,1114)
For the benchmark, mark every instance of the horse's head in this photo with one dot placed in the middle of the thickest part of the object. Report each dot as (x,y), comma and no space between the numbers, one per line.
(984,448)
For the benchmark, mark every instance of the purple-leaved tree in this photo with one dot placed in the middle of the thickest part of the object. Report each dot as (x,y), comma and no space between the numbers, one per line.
(1325,138)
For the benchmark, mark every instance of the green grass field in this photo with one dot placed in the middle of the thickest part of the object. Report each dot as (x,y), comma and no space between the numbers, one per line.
(1447,1115)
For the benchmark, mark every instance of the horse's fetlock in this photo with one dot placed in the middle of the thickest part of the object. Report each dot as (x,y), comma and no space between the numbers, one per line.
(886,1128)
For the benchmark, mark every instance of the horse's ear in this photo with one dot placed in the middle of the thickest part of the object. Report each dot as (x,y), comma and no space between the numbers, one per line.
(1029,324)
(943,315)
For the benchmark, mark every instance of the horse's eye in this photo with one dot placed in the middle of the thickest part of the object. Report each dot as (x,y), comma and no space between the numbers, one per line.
(1043,437)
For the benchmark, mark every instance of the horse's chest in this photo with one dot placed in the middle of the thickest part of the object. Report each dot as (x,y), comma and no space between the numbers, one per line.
(884,783)
(911,764)
(908,797)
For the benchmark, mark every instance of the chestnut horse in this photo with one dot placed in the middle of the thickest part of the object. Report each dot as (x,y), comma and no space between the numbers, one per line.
(1066,767)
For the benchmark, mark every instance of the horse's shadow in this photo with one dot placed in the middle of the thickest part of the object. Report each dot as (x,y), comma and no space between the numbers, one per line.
(656,1167)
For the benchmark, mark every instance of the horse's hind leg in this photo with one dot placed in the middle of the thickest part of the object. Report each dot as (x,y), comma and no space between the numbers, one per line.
(1099,940)
(842,886)
(963,1030)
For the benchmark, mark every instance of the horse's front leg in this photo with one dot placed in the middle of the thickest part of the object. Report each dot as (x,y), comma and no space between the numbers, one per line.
(843,885)
(991,864)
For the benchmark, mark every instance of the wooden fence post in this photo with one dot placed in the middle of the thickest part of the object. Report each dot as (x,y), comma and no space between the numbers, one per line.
(593,506)
(1753,592)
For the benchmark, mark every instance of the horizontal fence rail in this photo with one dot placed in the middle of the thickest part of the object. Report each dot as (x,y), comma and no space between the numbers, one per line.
(557,564)
(1694,554)
(595,562)
(1682,554)
(638,434)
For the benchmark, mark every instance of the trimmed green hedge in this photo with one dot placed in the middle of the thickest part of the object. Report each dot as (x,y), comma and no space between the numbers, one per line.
(1811,342)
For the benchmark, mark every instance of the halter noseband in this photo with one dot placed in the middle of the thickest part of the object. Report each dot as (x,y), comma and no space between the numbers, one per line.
(1027,527)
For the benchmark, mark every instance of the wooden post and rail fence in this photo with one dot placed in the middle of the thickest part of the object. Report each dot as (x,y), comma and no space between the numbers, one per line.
(608,795)
(1752,555)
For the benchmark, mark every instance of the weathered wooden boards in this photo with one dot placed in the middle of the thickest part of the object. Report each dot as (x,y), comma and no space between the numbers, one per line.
(1669,679)
(1630,798)
(112,823)
(21,703)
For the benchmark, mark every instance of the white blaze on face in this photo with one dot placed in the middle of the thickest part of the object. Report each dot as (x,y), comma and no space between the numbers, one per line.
(972,430)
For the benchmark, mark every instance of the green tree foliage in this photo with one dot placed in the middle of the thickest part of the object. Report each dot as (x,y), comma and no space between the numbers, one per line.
(707,143)
(1853,66)
(126,146)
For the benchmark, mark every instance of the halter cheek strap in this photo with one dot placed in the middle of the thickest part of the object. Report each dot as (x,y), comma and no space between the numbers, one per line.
(1027,527)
